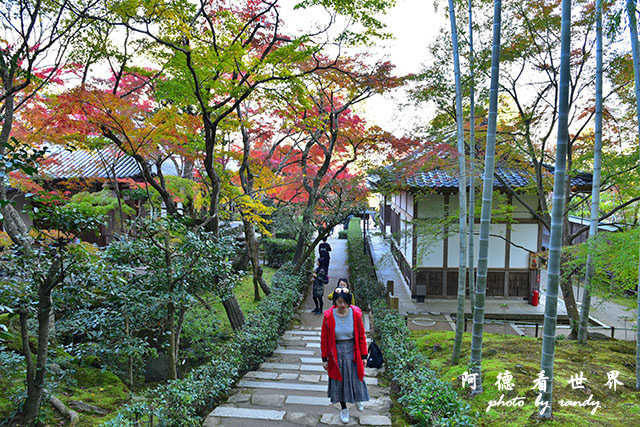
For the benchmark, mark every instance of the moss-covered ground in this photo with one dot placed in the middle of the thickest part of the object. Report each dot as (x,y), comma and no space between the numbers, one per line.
(86,384)
(521,357)
(93,385)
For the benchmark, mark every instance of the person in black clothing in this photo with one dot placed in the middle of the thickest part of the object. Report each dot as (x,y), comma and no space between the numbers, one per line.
(323,254)
(320,279)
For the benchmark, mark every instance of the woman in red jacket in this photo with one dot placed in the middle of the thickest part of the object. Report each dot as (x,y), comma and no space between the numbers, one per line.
(344,352)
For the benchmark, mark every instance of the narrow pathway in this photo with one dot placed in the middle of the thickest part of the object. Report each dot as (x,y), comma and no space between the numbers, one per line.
(290,388)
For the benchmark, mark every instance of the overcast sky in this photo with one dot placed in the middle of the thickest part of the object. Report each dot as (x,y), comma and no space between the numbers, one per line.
(413,23)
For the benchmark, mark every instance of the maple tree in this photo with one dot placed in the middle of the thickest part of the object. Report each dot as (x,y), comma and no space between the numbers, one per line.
(320,156)
(220,53)
(34,52)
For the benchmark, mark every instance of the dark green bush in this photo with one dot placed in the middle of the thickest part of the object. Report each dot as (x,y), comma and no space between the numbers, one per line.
(185,402)
(278,251)
(425,399)
(342,234)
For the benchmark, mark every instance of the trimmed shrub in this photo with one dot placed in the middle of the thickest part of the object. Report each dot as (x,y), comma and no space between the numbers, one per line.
(278,251)
(425,399)
(342,234)
(185,402)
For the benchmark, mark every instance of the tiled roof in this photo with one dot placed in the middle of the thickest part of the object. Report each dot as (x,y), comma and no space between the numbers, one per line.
(440,179)
(102,163)
(579,180)
(443,179)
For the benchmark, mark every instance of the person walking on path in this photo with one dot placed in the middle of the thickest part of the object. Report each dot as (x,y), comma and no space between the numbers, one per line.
(343,346)
(323,254)
(320,279)
(343,283)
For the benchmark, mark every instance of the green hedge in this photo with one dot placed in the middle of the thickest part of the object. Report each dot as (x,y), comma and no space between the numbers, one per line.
(278,251)
(185,402)
(425,399)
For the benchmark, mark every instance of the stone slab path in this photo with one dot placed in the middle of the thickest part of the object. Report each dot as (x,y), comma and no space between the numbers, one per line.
(290,388)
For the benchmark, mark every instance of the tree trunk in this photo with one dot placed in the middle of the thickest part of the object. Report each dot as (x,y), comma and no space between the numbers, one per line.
(310,248)
(566,286)
(305,231)
(566,280)
(487,196)
(633,28)
(172,372)
(234,312)
(557,214)
(130,358)
(13,223)
(241,263)
(36,376)
(254,256)
(214,196)
(595,188)
(462,194)
(29,411)
(187,169)
(181,314)
(472,179)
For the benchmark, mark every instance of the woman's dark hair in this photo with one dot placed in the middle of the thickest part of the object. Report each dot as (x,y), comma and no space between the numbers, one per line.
(346,297)
(345,280)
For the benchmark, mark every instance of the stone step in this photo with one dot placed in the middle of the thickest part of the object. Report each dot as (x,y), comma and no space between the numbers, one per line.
(311,360)
(281,350)
(291,367)
(300,332)
(290,376)
(307,400)
(257,414)
(268,398)
(232,416)
(293,387)
(281,385)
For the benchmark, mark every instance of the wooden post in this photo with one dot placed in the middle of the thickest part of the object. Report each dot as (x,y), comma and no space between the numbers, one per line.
(390,287)
(394,303)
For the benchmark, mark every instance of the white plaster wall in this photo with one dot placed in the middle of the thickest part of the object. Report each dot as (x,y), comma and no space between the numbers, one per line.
(525,235)
(497,248)
(430,252)
(431,206)
(519,210)
(409,233)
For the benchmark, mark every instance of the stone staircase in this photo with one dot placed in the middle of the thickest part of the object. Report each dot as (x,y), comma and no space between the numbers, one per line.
(290,389)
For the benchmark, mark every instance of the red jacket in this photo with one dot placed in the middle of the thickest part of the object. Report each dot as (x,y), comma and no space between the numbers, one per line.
(328,343)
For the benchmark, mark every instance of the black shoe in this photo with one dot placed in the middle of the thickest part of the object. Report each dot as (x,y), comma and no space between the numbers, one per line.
(315,311)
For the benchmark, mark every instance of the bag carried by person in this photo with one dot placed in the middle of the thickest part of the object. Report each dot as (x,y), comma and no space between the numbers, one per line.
(375,359)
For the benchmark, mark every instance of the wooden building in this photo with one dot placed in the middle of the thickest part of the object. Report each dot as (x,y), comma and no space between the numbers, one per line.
(426,247)
(90,171)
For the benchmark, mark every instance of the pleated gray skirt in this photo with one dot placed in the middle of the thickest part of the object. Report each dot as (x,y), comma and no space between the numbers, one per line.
(350,389)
